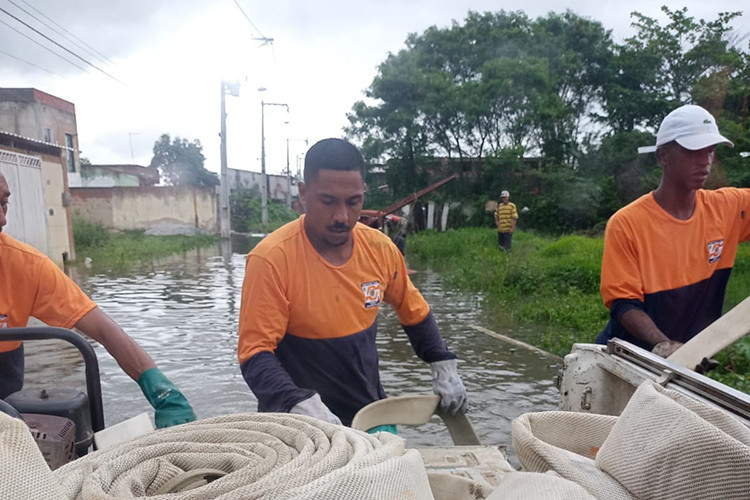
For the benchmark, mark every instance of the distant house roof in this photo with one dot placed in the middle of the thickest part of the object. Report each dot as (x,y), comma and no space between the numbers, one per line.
(147,176)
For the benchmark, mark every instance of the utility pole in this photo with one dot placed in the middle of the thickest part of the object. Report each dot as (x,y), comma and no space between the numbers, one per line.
(263,178)
(289,172)
(299,162)
(224,212)
(132,156)
(288,178)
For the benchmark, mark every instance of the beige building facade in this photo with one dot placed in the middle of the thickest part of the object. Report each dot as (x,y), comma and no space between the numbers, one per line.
(39,144)
(31,113)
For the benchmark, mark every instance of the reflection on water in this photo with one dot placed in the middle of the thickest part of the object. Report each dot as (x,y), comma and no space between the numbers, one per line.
(184,311)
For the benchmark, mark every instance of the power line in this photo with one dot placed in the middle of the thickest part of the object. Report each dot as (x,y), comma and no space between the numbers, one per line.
(249,21)
(82,45)
(61,46)
(43,46)
(29,63)
(266,40)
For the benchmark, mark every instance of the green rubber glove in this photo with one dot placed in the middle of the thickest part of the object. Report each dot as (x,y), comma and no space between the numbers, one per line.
(170,405)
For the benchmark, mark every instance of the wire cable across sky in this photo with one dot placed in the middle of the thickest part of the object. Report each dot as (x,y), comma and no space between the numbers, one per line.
(62,47)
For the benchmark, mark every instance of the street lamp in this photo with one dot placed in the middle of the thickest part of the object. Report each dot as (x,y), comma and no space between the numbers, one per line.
(224,213)
(264,179)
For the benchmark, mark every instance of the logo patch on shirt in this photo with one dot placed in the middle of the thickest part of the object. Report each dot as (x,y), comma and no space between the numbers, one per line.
(714,250)
(3,321)
(372,294)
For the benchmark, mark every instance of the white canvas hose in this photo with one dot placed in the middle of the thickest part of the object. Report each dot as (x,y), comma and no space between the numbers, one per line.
(664,445)
(249,456)
(23,473)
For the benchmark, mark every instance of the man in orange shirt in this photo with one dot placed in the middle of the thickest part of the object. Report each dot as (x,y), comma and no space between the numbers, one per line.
(311,296)
(32,285)
(668,254)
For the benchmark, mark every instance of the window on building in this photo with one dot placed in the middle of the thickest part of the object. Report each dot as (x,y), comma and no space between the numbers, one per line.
(47,135)
(71,154)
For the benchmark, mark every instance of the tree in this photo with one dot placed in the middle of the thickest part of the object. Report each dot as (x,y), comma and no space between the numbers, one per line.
(180,163)
(727,95)
(498,81)
(658,68)
(576,51)
(490,92)
(393,129)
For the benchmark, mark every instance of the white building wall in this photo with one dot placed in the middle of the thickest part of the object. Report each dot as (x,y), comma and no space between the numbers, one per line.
(279,185)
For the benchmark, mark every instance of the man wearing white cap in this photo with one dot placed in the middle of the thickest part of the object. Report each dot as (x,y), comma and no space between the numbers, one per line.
(668,254)
(506,216)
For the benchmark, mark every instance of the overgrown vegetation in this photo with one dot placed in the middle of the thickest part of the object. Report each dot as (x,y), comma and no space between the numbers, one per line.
(550,108)
(554,284)
(126,247)
(245,206)
(89,234)
(553,110)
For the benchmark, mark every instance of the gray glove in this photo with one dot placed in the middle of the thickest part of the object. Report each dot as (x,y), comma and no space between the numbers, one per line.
(666,348)
(447,384)
(314,407)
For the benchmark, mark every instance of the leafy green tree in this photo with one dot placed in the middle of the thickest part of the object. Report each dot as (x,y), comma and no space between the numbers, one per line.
(499,80)
(482,96)
(246,211)
(577,52)
(393,128)
(658,68)
(180,163)
(621,174)
(726,94)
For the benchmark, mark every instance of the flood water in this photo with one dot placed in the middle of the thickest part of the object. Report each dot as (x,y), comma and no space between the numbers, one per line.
(184,311)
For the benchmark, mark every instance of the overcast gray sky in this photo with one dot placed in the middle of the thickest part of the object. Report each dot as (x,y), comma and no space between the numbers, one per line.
(171,56)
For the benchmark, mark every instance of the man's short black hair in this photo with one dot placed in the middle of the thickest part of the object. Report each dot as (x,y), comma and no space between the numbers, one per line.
(332,154)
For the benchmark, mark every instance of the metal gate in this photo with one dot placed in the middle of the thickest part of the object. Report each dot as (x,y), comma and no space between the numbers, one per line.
(27,221)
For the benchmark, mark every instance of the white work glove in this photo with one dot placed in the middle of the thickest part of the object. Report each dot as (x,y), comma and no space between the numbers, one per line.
(314,407)
(447,384)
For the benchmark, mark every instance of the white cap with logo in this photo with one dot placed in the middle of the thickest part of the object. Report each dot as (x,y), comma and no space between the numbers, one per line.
(504,194)
(691,126)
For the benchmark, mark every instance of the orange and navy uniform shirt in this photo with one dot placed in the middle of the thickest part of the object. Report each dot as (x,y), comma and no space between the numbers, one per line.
(309,326)
(505,214)
(674,270)
(32,285)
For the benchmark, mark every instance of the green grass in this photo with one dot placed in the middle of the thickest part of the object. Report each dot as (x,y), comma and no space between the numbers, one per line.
(119,250)
(734,369)
(89,234)
(247,214)
(553,284)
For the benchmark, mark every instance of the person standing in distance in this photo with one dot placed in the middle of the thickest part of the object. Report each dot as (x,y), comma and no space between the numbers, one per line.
(311,296)
(506,216)
(32,285)
(668,255)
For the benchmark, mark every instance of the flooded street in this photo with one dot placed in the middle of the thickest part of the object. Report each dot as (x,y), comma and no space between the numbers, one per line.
(184,311)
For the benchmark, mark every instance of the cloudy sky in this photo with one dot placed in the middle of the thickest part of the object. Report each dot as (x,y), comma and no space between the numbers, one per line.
(165,59)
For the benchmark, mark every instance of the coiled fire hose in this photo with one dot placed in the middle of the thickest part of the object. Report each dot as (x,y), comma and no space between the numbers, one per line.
(244,456)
